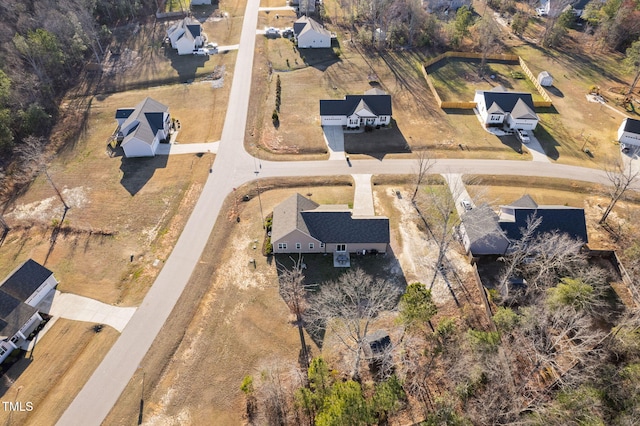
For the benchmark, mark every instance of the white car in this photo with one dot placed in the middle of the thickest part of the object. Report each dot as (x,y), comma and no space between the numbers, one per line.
(201,52)
(523,136)
(541,12)
(466,205)
(212,45)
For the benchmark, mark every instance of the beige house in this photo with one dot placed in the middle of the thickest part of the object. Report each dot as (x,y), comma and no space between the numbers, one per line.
(303,226)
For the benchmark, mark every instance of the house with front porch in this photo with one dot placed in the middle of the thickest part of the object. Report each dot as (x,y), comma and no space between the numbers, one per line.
(371,109)
(20,294)
(500,108)
(141,129)
(301,225)
(186,36)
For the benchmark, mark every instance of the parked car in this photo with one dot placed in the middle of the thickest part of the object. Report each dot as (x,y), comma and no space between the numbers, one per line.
(624,148)
(466,205)
(287,32)
(201,52)
(212,45)
(523,136)
(271,31)
(541,12)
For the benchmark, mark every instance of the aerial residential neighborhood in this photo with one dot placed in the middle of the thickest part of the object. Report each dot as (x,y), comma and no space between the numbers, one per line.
(271,212)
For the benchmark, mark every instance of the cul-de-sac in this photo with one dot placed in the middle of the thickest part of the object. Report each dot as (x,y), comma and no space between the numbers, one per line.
(319,212)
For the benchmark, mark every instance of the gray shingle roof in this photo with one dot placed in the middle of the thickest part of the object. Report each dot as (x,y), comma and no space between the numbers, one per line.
(508,100)
(341,227)
(326,225)
(287,218)
(13,314)
(304,24)
(149,115)
(377,104)
(25,279)
(565,219)
(481,222)
(632,125)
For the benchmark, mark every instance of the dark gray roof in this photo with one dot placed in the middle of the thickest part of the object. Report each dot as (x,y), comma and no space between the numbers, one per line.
(13,314)
(632,125)
(124,112)
(341,227)
(377,104)
(507,100)
(25,279)
(326,225)
(194,30)
(564,219)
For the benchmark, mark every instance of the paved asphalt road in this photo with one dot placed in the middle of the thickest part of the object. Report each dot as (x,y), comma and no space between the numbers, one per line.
(234,166)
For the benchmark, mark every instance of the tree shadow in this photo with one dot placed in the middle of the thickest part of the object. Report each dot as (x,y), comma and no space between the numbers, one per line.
(377,143)
(138,171)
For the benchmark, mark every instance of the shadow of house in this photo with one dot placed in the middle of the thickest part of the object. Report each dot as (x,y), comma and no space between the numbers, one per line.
(186,65)
(320,59)
(138,171)
(378,142)
(548,142)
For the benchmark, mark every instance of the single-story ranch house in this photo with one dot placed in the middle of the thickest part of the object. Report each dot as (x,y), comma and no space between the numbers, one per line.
(302,226)
(371,109)
(20,293)
(484,232)
(186,36)
(310,34)
(629,132)
(142,128)
(499,108)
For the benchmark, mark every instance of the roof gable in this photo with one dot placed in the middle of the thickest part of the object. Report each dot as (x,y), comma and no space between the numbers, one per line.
(495,109)
(521,110)
(507,100)
(525,201)
(287,218)
(376,104)
(145,121)
(305,24)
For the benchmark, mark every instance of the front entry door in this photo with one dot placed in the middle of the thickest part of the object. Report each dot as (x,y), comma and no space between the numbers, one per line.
(341,247)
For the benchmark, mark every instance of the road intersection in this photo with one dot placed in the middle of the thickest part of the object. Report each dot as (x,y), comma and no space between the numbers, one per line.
(233,167)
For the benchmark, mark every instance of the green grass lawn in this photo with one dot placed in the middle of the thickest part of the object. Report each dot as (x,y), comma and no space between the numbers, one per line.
(177,5)
(456,79)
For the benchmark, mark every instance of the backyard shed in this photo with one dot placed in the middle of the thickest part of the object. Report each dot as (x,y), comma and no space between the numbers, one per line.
(545,79)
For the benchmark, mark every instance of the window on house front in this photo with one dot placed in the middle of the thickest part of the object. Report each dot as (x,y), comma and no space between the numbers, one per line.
(341,247)
(282,246)
(321,245)
(298,246)
(2,351)
(311,246)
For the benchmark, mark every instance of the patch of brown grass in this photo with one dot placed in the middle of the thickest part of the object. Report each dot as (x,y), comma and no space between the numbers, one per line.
(60,364)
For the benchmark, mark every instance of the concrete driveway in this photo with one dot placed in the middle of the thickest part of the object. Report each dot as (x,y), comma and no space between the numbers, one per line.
(334,138)
(458,191)
(187,148)
(363,196)
(536,150)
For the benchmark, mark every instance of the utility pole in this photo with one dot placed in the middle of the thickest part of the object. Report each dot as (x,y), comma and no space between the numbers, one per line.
(259,199)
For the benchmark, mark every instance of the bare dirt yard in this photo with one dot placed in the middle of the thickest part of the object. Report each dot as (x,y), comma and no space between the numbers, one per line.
(52,375)
(231,322)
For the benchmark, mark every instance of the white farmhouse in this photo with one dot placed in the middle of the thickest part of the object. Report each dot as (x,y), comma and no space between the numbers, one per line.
(20,294)
(186,36)
(629,132)
(371,109)
(311,34)
(142,128)
(499,108)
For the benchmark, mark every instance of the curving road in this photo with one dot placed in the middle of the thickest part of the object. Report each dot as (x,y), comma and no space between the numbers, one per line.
(233,167)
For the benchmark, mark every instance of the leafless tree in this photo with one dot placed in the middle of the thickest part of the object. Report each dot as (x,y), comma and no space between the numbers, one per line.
(551,28)
(294,293)
(621,179)
(275,393)
(488,36)
(347,307)
(424,163)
